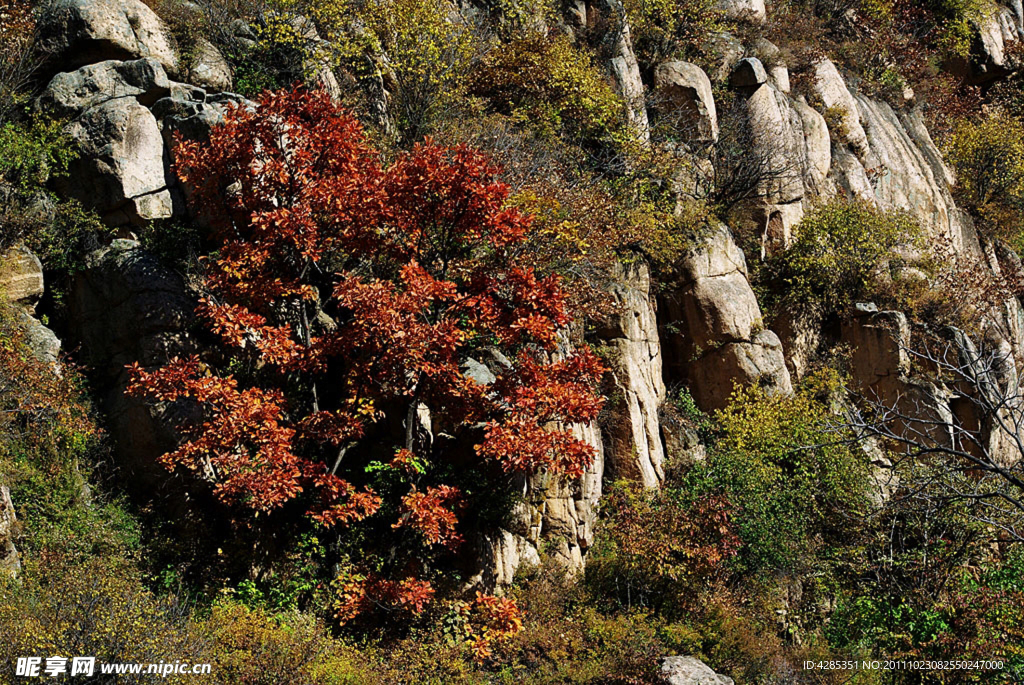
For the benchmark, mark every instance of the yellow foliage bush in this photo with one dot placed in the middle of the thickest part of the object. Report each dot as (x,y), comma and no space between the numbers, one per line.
(551,83)
(98,608)
(988,156)
(252,647)
(421,50)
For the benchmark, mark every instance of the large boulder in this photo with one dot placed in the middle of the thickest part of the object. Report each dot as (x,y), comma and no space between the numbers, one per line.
(81,32)
(632,435)
(712,328)
(831,89)
(752,11)
(777,135)
(760,360)
(688,670)
(685,98)
(193,113)
(121,170)
(209,69)
(21,275)
(909,170)
(71,93)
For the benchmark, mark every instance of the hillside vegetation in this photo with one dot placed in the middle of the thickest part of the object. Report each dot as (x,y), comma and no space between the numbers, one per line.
(611,341)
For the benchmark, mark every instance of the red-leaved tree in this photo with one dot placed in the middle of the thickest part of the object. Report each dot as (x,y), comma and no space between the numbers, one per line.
(347,296)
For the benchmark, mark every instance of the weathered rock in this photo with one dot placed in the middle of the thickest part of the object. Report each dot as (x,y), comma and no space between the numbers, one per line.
(718,310)
(126,307)
(685,97)
(878,343)
(80,32)
(632,436)
(10,560)
(688,670)
(748,73)
(817,145)
(624,69)
(909,173)
(21,275)
(777,135)
(71,93)
(41,341)
(752,11)
(800,330)
(725,50)
(831,88)
(771,58)
(209,69)
(317,70)
(713,377)
(121,170)
(712,331)
(193,113)
(553,515)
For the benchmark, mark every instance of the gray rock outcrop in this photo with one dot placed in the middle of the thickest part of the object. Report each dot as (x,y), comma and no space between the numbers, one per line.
(830,87)
(712,329)
(552,516)
(209,69)
(684,97)
(71,93)
(688,670)
(81,32)
(21,275)
(632,434)
(121,171)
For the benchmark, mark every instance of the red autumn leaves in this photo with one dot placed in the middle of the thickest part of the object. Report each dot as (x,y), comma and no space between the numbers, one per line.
(356,289)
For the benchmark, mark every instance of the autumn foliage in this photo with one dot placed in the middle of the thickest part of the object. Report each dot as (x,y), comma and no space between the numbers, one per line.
(347,295)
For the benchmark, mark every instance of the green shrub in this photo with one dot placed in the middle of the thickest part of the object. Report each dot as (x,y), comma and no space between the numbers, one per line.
(94,608)
(839,255)
(672,29)
(31,154)
(787,471)
(988,156)
(551,84)
(48,443)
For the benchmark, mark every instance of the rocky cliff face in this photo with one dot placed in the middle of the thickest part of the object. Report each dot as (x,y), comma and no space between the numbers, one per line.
(114,79)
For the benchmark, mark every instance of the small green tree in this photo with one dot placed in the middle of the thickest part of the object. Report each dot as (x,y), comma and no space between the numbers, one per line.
(988,156)
(791,478)
(839,254)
